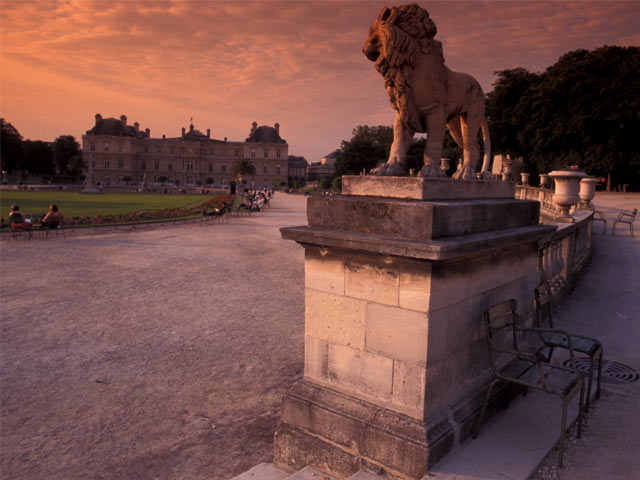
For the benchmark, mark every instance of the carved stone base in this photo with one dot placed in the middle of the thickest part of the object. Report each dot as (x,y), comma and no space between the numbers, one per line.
(339,434)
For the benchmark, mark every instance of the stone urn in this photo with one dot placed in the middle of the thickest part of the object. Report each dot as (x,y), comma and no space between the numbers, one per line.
(566,194)
(524,177)
(444,165)
(587,192)
(544,180)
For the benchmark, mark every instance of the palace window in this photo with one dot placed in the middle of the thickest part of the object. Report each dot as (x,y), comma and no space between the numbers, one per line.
(120,147)
(265,169)
(211,167)
(237,153)
(92,147)
(190,167)
(170,166)
(143,165)
(278,153)
(223,168)
(173,150)
(156,164)
(277,168)
(253,153)
(120,163)
(146,149)
(106,163)
(160,149)
(106,146)
(266,154)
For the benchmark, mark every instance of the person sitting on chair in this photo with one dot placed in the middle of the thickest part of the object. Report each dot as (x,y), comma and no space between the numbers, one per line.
(53,218)
(17,219)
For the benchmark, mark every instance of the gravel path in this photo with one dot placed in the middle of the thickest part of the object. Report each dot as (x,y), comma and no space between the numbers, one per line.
(152,354)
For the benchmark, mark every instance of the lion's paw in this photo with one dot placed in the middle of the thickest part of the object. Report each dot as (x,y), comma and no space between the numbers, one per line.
(465,173)
(389,169)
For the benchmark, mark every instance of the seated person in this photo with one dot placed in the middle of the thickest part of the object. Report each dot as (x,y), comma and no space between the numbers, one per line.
(53,218)
(17,218)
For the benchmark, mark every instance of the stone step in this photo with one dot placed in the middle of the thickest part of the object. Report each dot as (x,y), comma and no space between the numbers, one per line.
(263,471)
(310,473)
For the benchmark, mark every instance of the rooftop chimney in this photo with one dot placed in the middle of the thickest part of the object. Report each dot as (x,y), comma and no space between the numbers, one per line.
(254,126)
(148,132)
(191,127)
(277,127)
(208,133)
(183,130)
(225,139)
(123,120)
(163,136)
(98,118)
(136,125)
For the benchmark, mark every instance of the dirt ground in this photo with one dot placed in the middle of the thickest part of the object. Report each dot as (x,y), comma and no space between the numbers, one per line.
(154,354)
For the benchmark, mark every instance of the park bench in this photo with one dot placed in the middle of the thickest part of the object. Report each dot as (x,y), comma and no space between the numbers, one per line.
(553,340)
(625,217)
(526,369)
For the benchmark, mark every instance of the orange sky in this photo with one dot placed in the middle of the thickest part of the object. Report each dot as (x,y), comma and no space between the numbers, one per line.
(227,64)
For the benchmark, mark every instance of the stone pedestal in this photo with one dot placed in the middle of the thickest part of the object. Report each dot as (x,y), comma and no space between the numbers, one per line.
(395,288)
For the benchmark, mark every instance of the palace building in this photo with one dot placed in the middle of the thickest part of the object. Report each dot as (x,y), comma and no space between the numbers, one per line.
(124,154)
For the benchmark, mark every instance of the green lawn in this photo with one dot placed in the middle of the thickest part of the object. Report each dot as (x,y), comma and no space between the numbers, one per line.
(73,204)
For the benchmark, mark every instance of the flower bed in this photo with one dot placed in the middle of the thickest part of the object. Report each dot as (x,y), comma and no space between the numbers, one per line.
(151,215)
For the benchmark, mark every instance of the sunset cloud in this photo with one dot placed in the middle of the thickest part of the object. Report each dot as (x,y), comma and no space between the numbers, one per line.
(230,63)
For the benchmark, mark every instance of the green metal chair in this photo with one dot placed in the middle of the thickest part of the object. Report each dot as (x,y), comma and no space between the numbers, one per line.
(578,343)
(527,369)
(625,217)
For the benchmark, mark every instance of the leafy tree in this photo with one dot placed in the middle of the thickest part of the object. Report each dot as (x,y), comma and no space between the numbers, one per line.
(583,110)
(209,181)
(38,158)
(243,167)
(337,184)
(367,148)
(324,184)
(11,146)
(65,148)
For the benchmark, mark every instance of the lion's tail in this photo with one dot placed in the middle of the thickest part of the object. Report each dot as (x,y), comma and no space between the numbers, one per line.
(487,145)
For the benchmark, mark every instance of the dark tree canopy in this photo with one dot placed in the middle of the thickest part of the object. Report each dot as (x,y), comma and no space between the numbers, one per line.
(243,167)
(584,110)
(38,158)
(11,147)
(65,148)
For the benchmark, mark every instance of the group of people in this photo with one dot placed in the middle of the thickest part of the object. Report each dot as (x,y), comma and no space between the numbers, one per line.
(255,201)
(19,220)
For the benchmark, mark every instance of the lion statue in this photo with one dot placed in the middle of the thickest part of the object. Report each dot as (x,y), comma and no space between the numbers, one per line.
(425,93)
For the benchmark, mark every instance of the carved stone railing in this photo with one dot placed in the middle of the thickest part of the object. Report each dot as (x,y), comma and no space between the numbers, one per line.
(565,253)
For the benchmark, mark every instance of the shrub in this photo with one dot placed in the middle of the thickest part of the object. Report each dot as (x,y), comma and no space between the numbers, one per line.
(324,184)
(337,184)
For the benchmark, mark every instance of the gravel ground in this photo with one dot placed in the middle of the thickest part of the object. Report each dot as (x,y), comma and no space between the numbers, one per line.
(151,354)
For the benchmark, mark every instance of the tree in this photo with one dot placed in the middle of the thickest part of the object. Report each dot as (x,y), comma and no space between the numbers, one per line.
(324,184)
(209,181)
(65,148)
(11,146)
(38,158)
(367,148)
(243,167)
(583,110)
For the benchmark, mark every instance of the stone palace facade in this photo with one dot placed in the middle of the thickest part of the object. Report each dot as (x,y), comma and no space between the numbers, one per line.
(124,154)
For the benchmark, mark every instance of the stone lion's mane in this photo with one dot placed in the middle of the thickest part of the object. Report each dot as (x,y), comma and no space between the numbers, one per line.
(409,34)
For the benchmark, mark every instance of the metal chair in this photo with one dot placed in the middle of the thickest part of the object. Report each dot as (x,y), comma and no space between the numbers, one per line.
(625,217)
(589,346)
(526,369)
(598,216)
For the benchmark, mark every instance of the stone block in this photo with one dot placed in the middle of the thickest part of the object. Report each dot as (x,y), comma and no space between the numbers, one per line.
(420,188)
(324,271)
(464,325)
(426,220)
(360,371)
(335,318)
(491,270)
(414,287)
(449,283)
(408,387)
(437,336)
(371,280)
(396,333)
(316,358)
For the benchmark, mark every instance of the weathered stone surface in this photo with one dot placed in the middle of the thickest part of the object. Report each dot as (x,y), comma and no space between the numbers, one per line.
(324,272)
(316,358)
(418,188)
(408,387)
(362,372)
(372,281)
(347,428)
(335,318)
(420,219)
(396,333)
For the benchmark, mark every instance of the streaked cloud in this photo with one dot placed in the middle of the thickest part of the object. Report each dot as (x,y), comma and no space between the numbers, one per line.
(229,63)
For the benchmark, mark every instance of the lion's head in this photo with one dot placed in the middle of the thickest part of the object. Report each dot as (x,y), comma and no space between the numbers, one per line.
(394,42)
